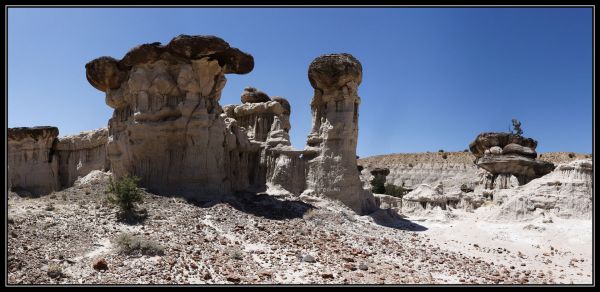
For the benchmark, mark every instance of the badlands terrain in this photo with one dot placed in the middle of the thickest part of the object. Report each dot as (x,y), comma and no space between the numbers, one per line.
(259,238)
(230,201)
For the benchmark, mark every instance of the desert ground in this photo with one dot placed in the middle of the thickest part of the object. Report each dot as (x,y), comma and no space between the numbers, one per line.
(262,239)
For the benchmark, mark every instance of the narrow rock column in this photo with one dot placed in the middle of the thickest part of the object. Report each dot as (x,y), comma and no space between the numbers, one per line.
(331,148)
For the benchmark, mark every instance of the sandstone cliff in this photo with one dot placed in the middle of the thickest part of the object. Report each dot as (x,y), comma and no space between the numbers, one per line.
(32,161)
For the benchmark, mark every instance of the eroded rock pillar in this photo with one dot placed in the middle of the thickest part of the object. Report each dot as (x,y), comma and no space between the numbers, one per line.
(331,145)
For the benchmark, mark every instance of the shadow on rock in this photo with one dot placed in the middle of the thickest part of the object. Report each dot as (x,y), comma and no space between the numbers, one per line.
(261,205)
(390,218)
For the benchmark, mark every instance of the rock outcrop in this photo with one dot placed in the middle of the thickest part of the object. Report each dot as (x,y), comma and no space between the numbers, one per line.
(32,161)
(509,154)
(167,127)
(412,169)
(253,95)
(80,154)
(40,162)
(331,145)
(566,192)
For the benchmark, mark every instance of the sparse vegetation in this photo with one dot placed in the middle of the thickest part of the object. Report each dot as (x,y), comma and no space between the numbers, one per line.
(125,193)
(517,127)
(445,156)
(130,245)
(410,165)
(441,151)
(49,207)
(378,185)
(54,270)
(395,191)
(571,155)
(236,254)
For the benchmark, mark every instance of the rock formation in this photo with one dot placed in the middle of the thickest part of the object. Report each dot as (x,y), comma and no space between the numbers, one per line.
(427,197)
(380,173)
(331,145)
(32,161)
(80,154)
(253,95)
(565,192)
(167,127)
(505,154)
(40,162)
(412,169)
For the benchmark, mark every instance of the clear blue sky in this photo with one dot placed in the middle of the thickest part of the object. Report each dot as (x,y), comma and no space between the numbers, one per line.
(433,78)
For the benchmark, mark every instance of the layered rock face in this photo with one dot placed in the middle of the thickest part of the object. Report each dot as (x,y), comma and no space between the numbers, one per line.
(167,127)
(566,192)
(412,169)
(331,145)
(262,125)
(32,161)
(40,162)
(80,154)
(509,154)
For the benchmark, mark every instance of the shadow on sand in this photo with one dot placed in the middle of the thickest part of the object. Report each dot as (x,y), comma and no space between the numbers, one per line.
(261,205)
(274,208)
(391,218)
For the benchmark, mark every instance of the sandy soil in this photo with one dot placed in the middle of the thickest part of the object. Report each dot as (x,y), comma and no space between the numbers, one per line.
(560,247)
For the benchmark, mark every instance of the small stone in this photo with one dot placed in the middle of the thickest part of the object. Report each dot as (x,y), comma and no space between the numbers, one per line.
(327,276)
(363,267)
(234,279)
(308,258)
(100,264)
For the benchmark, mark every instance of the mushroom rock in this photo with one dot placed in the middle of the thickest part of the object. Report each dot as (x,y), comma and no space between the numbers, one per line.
(253,95)
(331,145)
(506,154)
(517,149)
(490,139)
(167,126)
(379,171)
(32,162)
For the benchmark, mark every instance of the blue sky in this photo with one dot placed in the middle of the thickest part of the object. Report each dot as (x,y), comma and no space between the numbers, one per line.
(433,78)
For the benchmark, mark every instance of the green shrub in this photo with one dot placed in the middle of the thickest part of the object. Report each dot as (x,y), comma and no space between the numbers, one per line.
(377,185)
(129,244)
(125,193)
(395,191)
(236,254)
